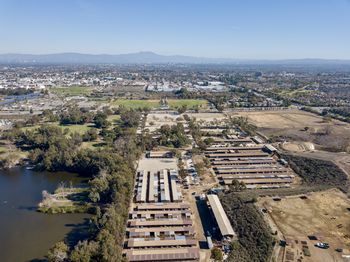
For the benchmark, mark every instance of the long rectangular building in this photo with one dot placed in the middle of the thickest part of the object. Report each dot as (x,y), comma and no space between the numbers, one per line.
(160,223)
(241,154)
(253,165)
(221,218)
(144,187)
(143,243)
(159,214)
(160,231)
(163,254)
(163,206)
(151,186)
(251,170)
(234,148)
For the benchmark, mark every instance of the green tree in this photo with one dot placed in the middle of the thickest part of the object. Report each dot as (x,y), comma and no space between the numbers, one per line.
(100,120)
(216,254)
(182,109)
(84,251)
(58,252)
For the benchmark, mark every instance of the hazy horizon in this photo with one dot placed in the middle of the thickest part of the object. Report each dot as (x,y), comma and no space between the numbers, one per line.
(253,30)
(230,59)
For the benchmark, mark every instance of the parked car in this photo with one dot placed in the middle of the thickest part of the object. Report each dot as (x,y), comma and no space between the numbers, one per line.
(322,245)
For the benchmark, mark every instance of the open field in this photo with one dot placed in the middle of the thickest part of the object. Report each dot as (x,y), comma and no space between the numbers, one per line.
(72,90)
(189,103)
(300,126)
(94,145)
(207,117)
(155,164)
(173,103)
(155,121)
(295,93)
(81,129)
(324,215)
(135,104)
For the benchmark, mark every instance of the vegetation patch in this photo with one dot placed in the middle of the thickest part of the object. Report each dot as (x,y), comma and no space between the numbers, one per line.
(3,149)
(172,103)
(188,103)
(72,90)
(317,172)
(81,129)
(136,104)
(255,242)
(113,118)
(66,200)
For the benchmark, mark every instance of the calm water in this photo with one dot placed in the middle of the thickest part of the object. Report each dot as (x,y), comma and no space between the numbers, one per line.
(26,235)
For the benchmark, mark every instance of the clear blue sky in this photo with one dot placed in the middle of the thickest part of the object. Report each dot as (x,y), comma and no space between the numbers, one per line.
(253,29)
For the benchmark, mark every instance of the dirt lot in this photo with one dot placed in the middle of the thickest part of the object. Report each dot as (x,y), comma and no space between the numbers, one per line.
(207,117)
(325,215)
(155,121)
(156,164)
(297,125)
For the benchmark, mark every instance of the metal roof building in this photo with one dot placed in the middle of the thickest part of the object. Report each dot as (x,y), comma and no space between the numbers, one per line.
(160,222)
(142,243)
(151,187)
(164,254)
(220,216)
(163,206)
(144,187)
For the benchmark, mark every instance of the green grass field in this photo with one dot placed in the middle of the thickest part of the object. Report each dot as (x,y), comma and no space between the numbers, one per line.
(113,118)
(3,149)
(173,103)
(135,103)
(93,145)
(190,103)
(72,90)
(81,129)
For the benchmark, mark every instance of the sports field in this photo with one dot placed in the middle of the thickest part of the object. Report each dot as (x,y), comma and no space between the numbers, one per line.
(72,90)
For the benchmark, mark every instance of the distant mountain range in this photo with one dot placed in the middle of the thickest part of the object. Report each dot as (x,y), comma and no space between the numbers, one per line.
(145,58)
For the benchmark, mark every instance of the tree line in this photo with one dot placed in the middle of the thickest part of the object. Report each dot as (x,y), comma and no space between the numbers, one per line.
(317,172)
(110,172)
(255,242)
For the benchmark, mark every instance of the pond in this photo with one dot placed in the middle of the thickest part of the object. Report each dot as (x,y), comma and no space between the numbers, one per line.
(25,234)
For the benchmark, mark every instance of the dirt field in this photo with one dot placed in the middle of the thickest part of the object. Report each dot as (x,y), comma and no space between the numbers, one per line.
(207,117)
(297,125)
(325,215)
(155,164)
(155,121)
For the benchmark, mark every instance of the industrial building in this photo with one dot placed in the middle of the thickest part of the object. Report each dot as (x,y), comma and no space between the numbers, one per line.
(160,226)
(220,216)
(158,186)
(255,165)
(163,254)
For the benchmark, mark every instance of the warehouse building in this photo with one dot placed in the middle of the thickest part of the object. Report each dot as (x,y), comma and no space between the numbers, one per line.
(220,216)
(255,165)
(160,226)
(164,254)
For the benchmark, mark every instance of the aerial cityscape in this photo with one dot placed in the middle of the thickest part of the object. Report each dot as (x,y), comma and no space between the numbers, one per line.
(174,131)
